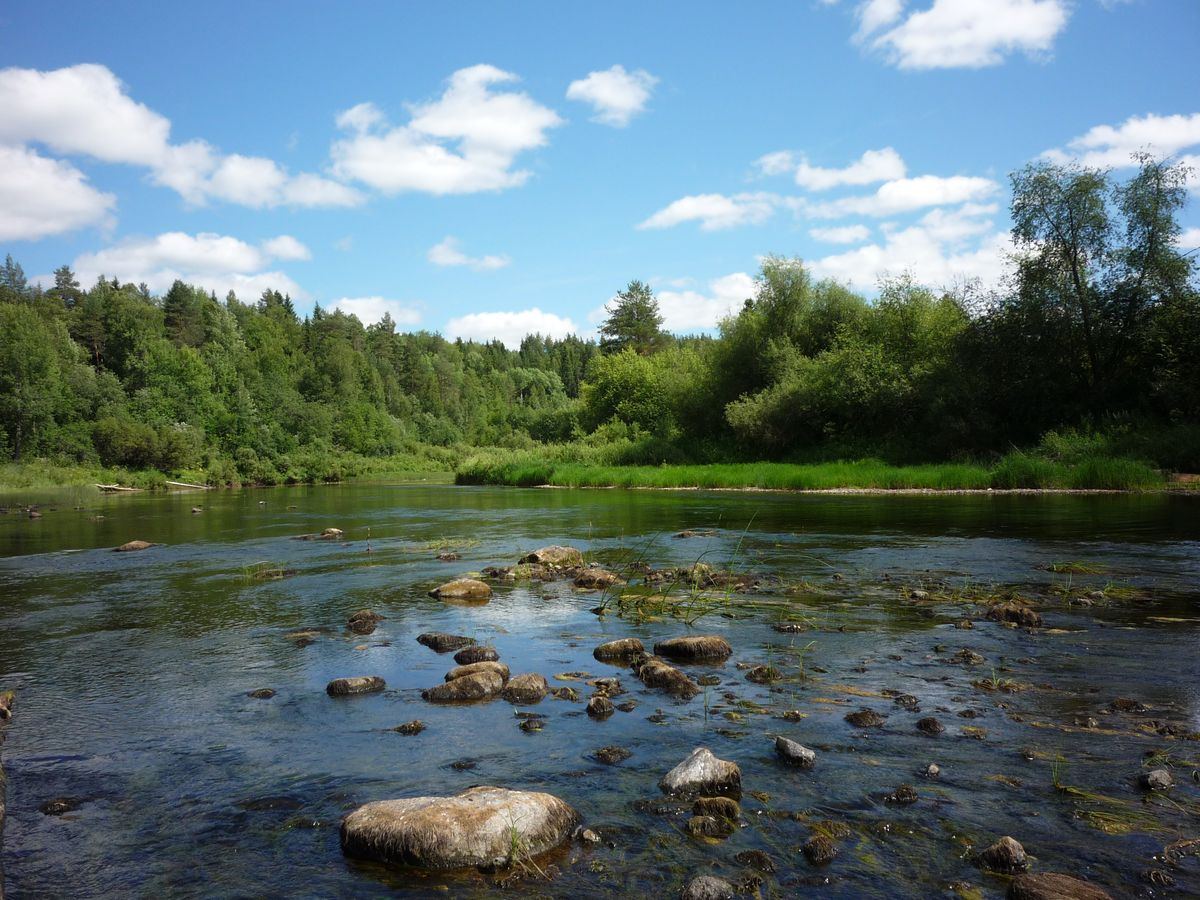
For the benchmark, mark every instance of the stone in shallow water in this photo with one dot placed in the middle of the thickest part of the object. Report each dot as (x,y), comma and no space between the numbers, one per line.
(130,546)
(1054,886)
(527,688)
(709,887)
(463,589)
(1006,855)
(696,646)
(364,621)
(359,684)
(703,773)
(794,754)
(441,642)
(618,650)
(475,668)
(469,688)
(597,578)
(600,707)
(483,826)
(476,653)
(657,673)
(865,718)
(554,555)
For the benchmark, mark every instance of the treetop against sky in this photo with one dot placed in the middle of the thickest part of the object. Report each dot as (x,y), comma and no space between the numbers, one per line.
(489,171)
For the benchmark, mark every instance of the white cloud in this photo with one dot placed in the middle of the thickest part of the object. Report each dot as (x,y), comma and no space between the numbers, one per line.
(509,327)
(847,234)
(685,312)
(449,253)
(466,141)
(964,33)
(778,163)
(212,261)
(370,310)
(41,197)
(872,167)
(907,195)
(875,14)
(715,211)
(616,95)
(84,110)
(1114,145)
(1188,240)
(286,247)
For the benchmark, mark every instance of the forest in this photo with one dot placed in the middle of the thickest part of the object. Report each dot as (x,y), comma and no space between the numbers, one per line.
(1091,347)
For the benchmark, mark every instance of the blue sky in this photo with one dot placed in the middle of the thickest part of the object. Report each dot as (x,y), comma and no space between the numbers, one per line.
(485,169)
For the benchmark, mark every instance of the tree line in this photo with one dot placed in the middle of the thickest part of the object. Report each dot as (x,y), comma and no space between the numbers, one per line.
(1096,334)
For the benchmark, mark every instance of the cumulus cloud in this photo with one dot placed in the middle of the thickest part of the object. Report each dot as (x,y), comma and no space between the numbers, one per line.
(286,247)
(40,197)
(1113,146)
(466,141)
(370,310)
(872,167)
(509,327)
(84,110)
(846,234)
(715,211)
(686,311)
(907,195)
(216,262)
(616,95)
(449,253)
(1188,240)
(951,34)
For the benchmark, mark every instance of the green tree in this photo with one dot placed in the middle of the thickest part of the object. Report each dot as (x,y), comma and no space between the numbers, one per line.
(633,321)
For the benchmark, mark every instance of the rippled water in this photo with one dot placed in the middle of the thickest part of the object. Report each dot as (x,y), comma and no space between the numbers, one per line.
(132,673)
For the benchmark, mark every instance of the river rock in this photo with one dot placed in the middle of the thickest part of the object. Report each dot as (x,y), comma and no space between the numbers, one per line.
(1157,780)
(794,754)
(710,827)
(717,808)
(905,795)
(528,688)
(616,651)
(483,826)
(463,589)
(554,555)
(597,578)
(756,859)
(468,689)
(1053,886)
(416,726)
(709,887)
(475,668)
(703,773)
(930,726)
(865,718)
(364,621)
(1006,856)
(262,693)
(441,642)
(819,849)
(7,700)
(764,675)
(695,647)
(600,707)
(133,545)
(60,806)
(359,684)
(611,755)
(656,673)
(1016,614)
(476,653)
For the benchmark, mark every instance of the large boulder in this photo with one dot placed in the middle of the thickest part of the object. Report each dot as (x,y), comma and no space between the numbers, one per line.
(130,546)
(359,684)
(483,826)
(554,555)
(441,642)
(527,688)
(463,589)
(703,773)
(1053,886)
(657,673)
(695,647)
(618,650)
(468,689)
(475,668)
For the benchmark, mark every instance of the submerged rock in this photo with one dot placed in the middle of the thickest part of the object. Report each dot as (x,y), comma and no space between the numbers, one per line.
(709,887)
(717,808)
(1006,856)
(611,755)
(554,555)
(463,589)
(597,578)
(819,849)
(905,795)
(364,621)
(441,642)
(475,668)
(708,826)
(262,693)
(359,684)
(1015,614)
(130,546)
(468,689)
(1053,886)
(756,859)
(930,726)
(794,754)
(619,650)
(865,718)
(697,646)
(764,675)
(528,688)
(483,826)
(656,673)
(703,773)
(416,726)
(600,707)
(476,653)
(60,806)
(1157,780)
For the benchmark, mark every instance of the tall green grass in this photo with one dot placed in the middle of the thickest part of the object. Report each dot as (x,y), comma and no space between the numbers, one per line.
(527,468)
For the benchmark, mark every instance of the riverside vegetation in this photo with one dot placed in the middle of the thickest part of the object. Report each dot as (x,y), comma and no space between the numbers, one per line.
(1088,357)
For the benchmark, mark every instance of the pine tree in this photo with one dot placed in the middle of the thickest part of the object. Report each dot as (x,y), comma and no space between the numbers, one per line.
(633,321)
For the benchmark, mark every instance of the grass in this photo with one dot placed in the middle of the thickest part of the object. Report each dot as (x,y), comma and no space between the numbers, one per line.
(527,468)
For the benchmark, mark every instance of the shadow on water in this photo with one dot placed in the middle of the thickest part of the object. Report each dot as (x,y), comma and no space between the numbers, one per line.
(133,673)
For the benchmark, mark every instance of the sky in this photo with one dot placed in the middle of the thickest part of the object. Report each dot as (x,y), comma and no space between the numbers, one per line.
(489,170)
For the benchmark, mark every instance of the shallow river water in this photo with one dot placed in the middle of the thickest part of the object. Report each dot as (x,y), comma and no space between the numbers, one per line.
(132,673)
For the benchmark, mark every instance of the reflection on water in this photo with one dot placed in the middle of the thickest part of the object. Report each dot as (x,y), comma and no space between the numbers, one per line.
(132,672)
